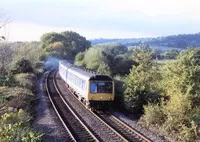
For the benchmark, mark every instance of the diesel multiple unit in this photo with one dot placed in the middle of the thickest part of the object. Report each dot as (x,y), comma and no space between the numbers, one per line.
(93,89)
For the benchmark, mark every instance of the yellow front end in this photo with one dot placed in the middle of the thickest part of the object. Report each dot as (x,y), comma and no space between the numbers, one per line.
(101,96)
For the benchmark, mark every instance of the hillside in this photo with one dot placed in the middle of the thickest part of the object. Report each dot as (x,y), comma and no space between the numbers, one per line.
(176,41)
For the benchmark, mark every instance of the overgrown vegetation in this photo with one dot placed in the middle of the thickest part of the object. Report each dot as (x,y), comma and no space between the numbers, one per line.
(64,45)
(141,85)
(165,92)
(178,111)
(21,63)
(103,59)
(20,66)
(14,126)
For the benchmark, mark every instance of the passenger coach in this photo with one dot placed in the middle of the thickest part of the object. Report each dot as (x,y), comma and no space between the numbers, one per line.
(93,89)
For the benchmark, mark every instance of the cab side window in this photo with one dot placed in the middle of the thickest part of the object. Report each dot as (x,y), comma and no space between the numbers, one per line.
(93,87)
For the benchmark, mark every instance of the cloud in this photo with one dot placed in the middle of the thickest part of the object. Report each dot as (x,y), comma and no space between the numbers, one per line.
(101,18)
(17,31)
(153,7)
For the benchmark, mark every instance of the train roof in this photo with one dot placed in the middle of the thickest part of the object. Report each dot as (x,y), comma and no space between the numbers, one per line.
(85,72)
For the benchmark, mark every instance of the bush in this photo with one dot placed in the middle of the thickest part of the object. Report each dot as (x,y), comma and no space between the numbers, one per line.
(38,67)
(194,115)
(21,98)
(79,59)
(22,66)
(18,91)
(188,134)
(104,69)
(141,84)
(26,80)
(119,94)
(15,127)
(153,115)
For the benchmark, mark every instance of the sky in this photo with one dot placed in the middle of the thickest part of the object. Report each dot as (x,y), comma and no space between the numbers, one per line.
(30,19)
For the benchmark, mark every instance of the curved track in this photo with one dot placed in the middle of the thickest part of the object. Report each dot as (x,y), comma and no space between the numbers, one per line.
(75,128)
(107,128)
(129,133)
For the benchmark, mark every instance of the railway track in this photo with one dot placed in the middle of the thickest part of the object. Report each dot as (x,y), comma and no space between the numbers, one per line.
(107,127)
(129,133)
(75,128)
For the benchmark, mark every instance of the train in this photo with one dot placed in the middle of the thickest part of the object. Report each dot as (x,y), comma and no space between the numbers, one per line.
(94,90)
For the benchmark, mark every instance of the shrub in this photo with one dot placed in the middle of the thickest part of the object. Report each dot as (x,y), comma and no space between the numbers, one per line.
(15,127)
(79,59)
(153,115)
(21,98)
(194,115)
(19,91)
(21,66)
(177,110)
(104,69)
(38,67)
(188,133)
(26,80)
(119,94)
(141,85)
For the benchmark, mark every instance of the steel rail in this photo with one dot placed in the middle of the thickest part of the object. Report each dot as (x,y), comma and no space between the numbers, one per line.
(122,123)
(91,134)
(48,93)
(108,126)
(130,129)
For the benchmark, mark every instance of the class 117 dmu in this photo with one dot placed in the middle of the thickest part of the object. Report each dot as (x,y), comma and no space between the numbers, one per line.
(92,89)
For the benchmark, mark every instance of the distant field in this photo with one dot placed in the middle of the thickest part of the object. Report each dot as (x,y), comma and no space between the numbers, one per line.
(164,48)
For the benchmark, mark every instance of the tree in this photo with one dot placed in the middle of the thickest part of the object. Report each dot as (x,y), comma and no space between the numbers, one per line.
(115,49)
(185,74)
(93,57)
(171,54)
(4,20)
(111,59)
(66,44)
(141,83)
(50,38)
(22,66)
(79,59)
(179,111)
(76,42)
(6,54)
(58,49)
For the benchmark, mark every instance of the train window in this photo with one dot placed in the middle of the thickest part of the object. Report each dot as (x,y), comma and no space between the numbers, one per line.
(100,87)
(93,87)
(108,87)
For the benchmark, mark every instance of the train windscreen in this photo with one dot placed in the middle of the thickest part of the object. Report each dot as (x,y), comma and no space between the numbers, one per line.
(100,87)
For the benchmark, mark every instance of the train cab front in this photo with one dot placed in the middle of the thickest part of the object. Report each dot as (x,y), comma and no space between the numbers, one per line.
(101,92)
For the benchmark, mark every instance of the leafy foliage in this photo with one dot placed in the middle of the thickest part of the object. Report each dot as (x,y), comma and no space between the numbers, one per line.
(79,59)
(171,54)
(50,38)
(66,44)
(17,90)
(75,41)
(180,106)
(22,66)
(26,80)
(14,127)
(153,115)
(141,84)
(28,50)
(6,53)
(110,59)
